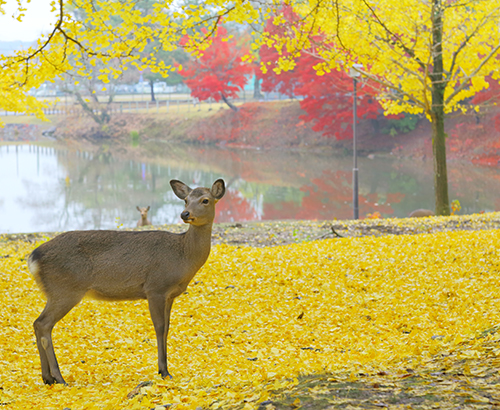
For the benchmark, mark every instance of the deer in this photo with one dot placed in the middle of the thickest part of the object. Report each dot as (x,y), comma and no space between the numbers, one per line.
(144,221)
(418,213)
(123,265)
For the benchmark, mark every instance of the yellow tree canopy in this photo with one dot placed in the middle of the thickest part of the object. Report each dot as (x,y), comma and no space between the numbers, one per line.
(396,43)
(392,39)
(424,56)
(115,32)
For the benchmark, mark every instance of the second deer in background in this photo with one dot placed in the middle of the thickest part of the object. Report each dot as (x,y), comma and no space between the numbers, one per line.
(144,217)
(418,213)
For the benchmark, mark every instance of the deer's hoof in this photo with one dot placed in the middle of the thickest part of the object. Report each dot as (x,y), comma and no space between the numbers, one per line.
(50,380)
(165,374)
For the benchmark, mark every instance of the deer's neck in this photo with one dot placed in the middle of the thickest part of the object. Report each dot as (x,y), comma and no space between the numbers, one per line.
(197,242)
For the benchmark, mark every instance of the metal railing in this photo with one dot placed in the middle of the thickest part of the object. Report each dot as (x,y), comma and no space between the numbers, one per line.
(169,103)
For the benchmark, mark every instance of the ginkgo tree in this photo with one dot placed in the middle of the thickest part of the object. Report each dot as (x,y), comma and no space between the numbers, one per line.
(424,56)
(114,32)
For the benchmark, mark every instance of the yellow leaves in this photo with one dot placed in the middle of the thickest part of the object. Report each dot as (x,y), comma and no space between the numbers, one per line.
(365,304)
(394,39)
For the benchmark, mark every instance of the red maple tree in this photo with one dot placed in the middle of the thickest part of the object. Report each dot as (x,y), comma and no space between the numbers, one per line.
(220,72)
(326,99)
(489,96)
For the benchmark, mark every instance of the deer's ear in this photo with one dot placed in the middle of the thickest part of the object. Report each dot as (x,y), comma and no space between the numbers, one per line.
(218,189)
(148,208)
(139,209)
(180,188)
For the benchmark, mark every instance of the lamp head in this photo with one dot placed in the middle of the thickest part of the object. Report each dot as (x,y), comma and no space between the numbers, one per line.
(354,70)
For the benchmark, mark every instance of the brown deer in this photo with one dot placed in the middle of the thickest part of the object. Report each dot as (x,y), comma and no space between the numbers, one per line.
(418,213)
(123,265)
(144,221)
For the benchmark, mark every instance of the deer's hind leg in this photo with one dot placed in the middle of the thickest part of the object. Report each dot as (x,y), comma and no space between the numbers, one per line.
(54,310)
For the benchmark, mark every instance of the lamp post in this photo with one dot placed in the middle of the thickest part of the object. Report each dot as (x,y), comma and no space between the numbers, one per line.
(355,74)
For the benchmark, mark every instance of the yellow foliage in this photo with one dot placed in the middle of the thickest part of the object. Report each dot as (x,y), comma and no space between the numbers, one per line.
(254,319)
(391,38)
(455,206)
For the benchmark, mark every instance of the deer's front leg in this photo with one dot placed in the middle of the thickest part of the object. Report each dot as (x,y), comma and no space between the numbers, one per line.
(159,309)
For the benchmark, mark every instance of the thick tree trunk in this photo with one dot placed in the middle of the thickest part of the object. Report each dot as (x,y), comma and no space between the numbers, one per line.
(437,113)
(440,170)
(256,88)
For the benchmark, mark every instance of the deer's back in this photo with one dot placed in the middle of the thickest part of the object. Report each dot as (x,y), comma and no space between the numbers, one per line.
(110,264)
(421,212)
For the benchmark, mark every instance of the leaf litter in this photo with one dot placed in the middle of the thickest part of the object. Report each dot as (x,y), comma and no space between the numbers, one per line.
(369,321)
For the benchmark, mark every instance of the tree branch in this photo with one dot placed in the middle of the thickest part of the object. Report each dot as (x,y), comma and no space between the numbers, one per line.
(396,40)
(467,78)
(467,40)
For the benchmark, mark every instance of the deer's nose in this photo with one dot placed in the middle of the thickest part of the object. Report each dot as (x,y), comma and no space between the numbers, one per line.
(185,215)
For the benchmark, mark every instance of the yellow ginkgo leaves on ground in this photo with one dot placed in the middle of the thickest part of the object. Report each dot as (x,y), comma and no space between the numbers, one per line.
(254,319)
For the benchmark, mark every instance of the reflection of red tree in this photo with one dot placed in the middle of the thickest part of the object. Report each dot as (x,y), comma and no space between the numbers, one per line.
(330,197)
(257,169)
(234,208)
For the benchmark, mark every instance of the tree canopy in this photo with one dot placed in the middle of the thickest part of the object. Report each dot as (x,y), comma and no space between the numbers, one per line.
(116,33)
(220,72)
(395,41)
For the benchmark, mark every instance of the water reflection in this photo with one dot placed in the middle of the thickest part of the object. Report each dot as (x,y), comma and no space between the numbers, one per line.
(53,188)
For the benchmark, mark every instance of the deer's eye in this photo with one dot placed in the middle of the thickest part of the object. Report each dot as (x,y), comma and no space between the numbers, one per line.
(205,201)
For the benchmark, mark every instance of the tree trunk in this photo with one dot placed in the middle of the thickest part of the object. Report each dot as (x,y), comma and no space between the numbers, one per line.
(440,170)
(256,88)
(88,109)
(151,85)
(229,104)
(437,113)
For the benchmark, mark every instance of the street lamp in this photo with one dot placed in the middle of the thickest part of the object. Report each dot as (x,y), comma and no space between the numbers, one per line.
(355,74)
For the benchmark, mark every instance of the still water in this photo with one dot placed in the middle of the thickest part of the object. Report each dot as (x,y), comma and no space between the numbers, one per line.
(55,188)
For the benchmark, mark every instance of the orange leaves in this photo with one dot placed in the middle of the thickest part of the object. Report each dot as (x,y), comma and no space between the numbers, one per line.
(254,319)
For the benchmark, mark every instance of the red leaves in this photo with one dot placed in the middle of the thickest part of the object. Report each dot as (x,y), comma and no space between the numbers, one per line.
(219,72)
(327,99)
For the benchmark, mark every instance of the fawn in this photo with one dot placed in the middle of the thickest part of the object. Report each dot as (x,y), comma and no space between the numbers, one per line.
(144,221)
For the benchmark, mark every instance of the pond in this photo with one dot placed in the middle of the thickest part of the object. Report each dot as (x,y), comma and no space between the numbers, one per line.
(49,187)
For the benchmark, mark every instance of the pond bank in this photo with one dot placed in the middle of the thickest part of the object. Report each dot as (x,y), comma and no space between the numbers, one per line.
(266,126)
